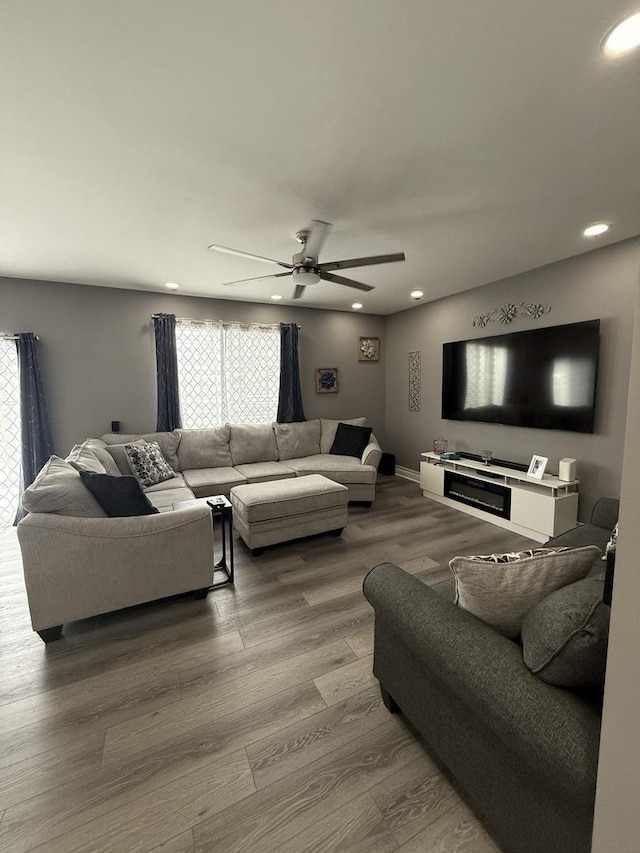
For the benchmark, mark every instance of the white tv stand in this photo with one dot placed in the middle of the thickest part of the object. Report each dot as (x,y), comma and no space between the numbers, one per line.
(538,509)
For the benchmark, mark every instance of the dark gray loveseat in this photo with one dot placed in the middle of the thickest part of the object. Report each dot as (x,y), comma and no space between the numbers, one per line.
(524,752)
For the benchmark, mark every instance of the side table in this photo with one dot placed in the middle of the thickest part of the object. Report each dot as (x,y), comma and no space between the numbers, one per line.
(220,508)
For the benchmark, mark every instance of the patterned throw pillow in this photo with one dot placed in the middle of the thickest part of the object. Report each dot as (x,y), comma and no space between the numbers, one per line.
(148,463)
(501,588)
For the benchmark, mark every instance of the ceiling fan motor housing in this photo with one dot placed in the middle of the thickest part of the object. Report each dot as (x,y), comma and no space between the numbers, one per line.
(305,275)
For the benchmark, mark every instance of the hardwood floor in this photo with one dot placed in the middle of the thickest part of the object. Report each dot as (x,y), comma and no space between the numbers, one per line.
(249,721)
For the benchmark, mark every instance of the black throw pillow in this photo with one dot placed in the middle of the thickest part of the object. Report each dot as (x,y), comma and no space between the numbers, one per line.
(350,440)
(119,497)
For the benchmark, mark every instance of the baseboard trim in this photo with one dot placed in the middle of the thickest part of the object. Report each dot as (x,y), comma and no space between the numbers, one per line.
(408,474)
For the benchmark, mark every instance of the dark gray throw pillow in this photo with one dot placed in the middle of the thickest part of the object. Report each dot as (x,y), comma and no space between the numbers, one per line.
(350,440)
(564,637)
(119,497)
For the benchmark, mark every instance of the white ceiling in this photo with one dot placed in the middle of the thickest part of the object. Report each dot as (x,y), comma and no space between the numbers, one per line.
(477,137)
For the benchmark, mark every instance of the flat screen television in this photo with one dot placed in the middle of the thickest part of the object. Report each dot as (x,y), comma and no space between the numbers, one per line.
(544,378)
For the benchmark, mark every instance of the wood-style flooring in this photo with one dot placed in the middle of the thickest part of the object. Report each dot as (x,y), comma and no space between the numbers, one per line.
(246,723)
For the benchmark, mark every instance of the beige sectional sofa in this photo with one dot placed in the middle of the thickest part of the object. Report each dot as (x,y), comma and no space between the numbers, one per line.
(79,563)
(213,461)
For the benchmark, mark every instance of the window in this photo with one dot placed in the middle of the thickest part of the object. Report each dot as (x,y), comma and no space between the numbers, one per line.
(227,373)
(9,432)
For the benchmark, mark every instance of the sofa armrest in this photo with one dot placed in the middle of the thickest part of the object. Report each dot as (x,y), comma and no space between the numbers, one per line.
(605,512)
(486,672)
(79,567)
(372,453)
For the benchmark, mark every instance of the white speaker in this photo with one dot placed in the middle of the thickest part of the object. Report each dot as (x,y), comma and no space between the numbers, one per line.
(567,469)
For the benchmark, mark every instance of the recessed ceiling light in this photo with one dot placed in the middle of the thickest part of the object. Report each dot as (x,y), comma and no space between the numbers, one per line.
(356,306)
(276,296)
(416,294)
(625,36)
(596,230)
(172,285)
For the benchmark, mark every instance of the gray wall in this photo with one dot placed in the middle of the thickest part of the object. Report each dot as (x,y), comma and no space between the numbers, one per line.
(98,354)
(601,284)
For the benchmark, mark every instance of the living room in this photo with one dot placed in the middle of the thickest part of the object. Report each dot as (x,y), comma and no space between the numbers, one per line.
(97,346)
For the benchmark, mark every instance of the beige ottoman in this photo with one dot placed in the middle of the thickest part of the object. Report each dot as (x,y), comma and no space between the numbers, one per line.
(280,510)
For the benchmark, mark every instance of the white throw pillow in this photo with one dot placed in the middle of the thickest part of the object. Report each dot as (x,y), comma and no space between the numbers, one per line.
(501,588)
(58,489)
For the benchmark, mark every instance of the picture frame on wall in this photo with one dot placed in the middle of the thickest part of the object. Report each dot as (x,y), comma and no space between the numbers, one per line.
(537,466)
(327,380)
(369,349)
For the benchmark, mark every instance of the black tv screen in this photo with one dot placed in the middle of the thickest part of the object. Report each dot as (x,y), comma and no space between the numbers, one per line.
(544,378)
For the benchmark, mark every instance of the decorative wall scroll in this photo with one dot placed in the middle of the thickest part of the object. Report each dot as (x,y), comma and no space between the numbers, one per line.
(415,379)
(508,312)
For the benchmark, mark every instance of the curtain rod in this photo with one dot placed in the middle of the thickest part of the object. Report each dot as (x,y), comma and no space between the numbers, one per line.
(222,322)
(14,337)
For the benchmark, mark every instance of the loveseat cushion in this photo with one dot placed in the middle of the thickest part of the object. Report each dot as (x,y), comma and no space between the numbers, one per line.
(176,482)
(501,589)
(204,448)
(168,442)
(119,496)
(564,637)
(264,472)
(297,439)
(252,443)
(328,430)
(58,489)
(340,469)
(212,481)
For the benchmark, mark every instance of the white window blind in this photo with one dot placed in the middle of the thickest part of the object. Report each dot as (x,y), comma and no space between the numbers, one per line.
(9,432)
(227,373)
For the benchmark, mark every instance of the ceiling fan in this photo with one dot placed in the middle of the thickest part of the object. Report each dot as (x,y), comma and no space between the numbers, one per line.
(304,267)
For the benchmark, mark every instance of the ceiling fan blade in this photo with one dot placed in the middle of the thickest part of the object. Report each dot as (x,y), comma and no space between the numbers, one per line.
(297,293)
(256,278)
(349,282)
(318,232)
(362,262)
(216,248)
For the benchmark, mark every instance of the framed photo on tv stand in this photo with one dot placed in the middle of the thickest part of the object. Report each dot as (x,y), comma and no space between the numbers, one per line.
(537,466)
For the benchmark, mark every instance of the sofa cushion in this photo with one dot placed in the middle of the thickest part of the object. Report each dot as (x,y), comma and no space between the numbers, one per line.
(350,440)
(58,489)
(328,430)
(168,442)
(212,481)
(84,458)
(119,496)
(204,448)
(297,439)
(165,500)
(99,448)
(263,472)
(500,589)
(340,469)
(176,482)
(564,637)
(119,454)
(252,443)
(147,463)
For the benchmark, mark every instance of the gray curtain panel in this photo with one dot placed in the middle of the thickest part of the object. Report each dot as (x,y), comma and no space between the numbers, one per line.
(167,373)
(290,406)
(36,442)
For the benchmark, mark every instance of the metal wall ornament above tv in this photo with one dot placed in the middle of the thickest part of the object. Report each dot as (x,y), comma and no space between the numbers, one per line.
(509,312)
